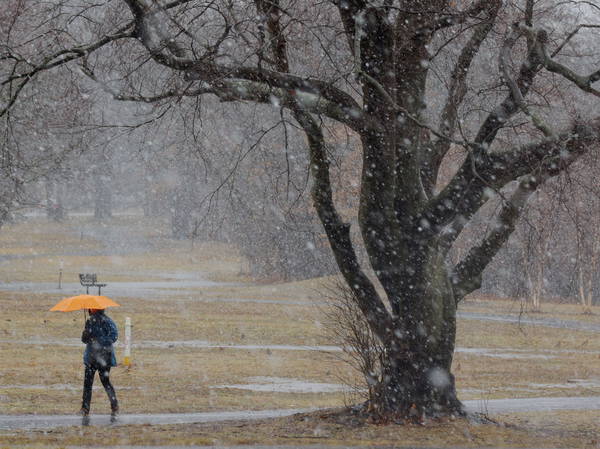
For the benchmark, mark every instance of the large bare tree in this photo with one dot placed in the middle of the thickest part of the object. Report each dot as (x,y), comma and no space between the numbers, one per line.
(411,79)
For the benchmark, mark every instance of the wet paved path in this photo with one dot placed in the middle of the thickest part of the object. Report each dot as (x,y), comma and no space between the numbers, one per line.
(547,322)
(491,407)
(150,290)
(28,422)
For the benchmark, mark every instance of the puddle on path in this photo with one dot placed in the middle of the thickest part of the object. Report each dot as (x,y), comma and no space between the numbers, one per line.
(285,385)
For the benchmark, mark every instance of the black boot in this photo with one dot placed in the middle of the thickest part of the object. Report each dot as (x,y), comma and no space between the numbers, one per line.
(114,411)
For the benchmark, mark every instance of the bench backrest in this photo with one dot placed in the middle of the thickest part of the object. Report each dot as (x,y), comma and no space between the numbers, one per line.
(87,279)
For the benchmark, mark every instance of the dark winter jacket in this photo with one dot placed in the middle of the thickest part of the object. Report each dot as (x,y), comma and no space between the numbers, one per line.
(99,334)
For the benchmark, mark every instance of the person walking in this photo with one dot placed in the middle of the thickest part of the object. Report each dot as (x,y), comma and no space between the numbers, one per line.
(99,334)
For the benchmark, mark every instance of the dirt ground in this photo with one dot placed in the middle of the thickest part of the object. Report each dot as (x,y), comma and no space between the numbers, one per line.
(41,370)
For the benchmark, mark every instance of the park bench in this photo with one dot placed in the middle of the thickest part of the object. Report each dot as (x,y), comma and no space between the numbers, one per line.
(90,280)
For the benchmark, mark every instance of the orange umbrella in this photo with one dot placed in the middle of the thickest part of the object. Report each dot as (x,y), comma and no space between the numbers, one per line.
(83,302)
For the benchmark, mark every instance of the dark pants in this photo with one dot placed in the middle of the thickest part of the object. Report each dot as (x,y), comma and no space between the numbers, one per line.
(88,382)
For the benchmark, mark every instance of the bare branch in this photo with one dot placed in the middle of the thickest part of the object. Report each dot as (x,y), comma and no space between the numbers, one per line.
(458,87)
(466,275)
(13,97)
(338,233)
(529,12)
(212,73)
(570,36)
(515,92)
(63,56)
(465,193)
(581,81)
(457,19)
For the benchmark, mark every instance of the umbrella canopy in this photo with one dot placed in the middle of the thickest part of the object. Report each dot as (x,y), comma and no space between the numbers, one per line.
(83,302)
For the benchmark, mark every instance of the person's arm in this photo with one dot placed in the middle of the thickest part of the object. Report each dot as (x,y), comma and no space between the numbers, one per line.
(114,333)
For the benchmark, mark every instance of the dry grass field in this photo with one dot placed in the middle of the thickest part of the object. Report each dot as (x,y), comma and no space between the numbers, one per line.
(177,367)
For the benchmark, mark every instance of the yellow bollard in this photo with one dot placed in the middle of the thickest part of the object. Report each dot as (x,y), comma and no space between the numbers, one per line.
(127,355)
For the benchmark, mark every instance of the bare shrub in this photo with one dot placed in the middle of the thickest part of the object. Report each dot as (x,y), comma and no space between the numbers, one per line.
(346,326)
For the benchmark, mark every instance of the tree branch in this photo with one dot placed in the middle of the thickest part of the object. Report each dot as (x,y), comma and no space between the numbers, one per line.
(465,193)
(212,73)
(529,12)
(456,19)
(57,59)
(476,173)
(581,81)
(338,232)
(69,54)
(515,91)
(349,10)
(466,276)
(530,67)
(458,89)
(570,36)
(471,176)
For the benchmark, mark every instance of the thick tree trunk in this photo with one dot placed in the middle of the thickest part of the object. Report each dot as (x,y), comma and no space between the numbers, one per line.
(414,387)
(416,379)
